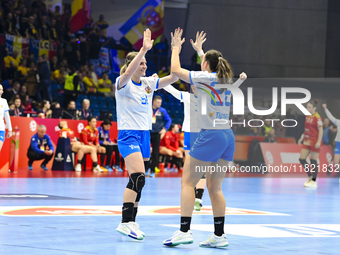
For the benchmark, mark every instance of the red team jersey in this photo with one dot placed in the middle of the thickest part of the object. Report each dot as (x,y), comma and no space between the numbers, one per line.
(67,133)
(89,137)
(170,140)
(312,123)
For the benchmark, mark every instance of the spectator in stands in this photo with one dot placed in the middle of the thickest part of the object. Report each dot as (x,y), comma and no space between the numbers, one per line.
(56,12)
(31,31)
(159,117)
(102,24)
(270,138)
(71,87)
(82,86)
(266,128)
(26,104)
(22,70)
(18,110)
(14,91)
(45,79)
(45,109)
(23,20)
(83,50)
(12,63)
(56,110)
(170,146)
(71,111)
(90,136)
(58,76)
(16,20)
(54,32)
(31,81)
(91,85)
(71,52)
(93,74)
(30,59)
(9,23)
(85,111)
(105,86)
(104,140)
(43,31)
(11,106)
(41,148)
(23,92)
(54,64)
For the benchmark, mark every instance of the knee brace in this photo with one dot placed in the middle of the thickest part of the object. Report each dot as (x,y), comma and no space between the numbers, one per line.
(314,164)
(136,182)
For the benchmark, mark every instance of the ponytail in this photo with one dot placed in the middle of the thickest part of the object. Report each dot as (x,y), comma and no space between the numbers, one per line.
(128,60)
(219,65)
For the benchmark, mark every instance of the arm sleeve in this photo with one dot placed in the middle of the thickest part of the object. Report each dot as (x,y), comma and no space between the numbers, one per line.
(331,117)
(8,121)
(176,93)
(167,119)
(84,136)
(34,146)
(50,144)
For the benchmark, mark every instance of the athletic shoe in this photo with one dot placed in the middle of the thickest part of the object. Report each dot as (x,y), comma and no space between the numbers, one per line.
(157,170)
(44,167)
(148,172)
(98,168)
(78,168)
(30,167)
(109,168)
(138,230)
(198,204)
(308,180)
(311,184)
(215,241)
(168,169)
(130,229)
(118,168)
(173,169)
(152,175)
(178,238)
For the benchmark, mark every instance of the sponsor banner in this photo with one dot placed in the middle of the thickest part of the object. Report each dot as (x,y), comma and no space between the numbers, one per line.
(115,210)
(272,230)
(277,154)
(29,126)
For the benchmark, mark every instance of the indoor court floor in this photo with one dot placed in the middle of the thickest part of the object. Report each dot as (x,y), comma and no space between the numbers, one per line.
(73,215)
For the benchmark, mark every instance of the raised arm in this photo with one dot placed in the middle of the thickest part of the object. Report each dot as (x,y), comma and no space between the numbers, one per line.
(176,93)
(167,80)
(176,45)
(330,116)
(242,78)
(132,68)
(197,45)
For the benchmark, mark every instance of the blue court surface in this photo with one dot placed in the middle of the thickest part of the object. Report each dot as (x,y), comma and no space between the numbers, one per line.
(80,215)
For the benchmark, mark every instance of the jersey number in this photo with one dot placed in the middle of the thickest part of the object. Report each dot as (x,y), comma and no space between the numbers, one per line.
(145,100)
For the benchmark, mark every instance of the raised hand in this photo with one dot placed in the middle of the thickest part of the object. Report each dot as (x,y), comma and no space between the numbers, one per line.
(147,42)
(200,39)
(176,39)
(243,76)
(324,106)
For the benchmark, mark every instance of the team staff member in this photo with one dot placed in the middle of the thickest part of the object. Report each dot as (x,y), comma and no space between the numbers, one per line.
(161,122)
(312,138)
(90,136)
(4,114)
(41,148)
(78,147)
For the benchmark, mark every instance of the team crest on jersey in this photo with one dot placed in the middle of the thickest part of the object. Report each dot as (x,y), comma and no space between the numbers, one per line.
(148,90)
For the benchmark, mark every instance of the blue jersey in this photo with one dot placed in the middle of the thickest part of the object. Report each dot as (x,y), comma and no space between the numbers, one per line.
(39,145)
(104,135)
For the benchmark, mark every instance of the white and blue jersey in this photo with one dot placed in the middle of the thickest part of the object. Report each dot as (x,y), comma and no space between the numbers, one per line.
(215,140)
(4,109)
(134,115)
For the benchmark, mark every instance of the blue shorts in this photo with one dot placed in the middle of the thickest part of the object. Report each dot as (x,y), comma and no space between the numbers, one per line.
(2,136)
(337,148)
(130,141)
(189,139)
(212,145)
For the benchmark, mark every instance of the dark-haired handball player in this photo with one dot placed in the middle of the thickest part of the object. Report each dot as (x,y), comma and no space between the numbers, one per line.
(312,141)
(4,114)
(336,158)
(77,147)
(214,146)
(134,116)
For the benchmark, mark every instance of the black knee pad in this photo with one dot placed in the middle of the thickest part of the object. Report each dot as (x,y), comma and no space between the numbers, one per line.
(314,162)
(303,161)
(136,182)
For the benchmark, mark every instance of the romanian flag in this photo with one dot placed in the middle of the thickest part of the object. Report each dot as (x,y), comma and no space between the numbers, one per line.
(151,16)
(80,14)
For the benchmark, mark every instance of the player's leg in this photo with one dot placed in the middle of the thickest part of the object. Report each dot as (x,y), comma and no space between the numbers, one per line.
(303,156)
(79,149)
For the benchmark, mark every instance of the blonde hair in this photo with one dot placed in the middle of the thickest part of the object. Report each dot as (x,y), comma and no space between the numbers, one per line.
(219,65)
(128,60)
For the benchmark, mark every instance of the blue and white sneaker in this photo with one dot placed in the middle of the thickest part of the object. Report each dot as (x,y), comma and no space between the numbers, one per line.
(178,238)
(147,172)
(109,168)
(215,241)
(118,168)
(44,167)
(152,175)
(30,167)
(130,229)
